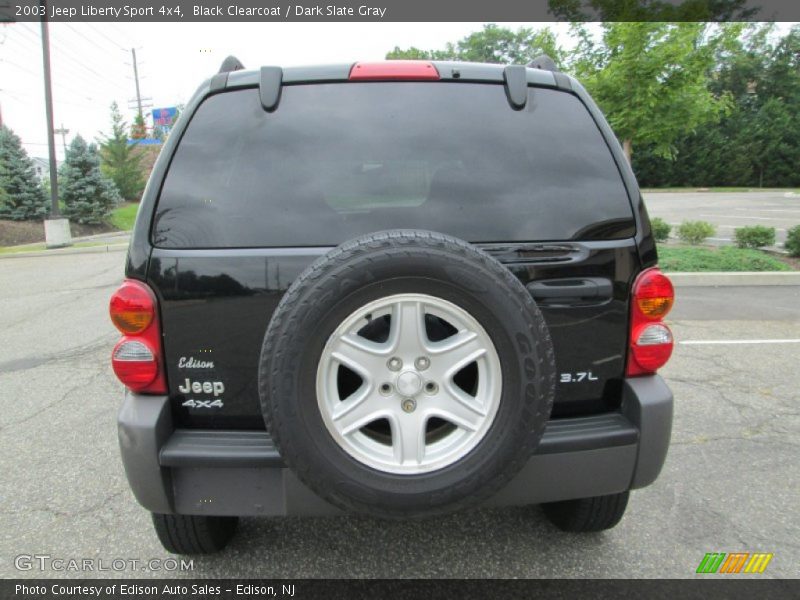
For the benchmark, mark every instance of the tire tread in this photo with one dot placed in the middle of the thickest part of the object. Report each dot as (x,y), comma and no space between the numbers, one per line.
(586,515)
(192,534)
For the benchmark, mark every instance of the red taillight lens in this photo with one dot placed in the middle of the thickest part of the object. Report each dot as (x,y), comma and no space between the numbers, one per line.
(132,307)
(137,359)
(398,70)
(651,341)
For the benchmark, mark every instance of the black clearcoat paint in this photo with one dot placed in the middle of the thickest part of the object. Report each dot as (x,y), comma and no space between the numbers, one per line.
(215,304)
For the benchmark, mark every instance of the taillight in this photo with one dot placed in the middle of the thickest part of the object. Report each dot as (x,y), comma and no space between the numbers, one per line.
(398,70)
(651,341)
(137,359)
(132,307)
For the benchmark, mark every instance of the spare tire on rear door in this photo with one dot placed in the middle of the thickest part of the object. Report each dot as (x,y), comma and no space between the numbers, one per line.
(406,373)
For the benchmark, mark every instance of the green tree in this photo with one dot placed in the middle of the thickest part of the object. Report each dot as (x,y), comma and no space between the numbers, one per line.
(23,197)
(87,194)
(492,44)
(652,10)
(650,79)
(758,142)
(119,161)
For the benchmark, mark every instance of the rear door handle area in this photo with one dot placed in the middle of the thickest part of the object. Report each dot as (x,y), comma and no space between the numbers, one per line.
(574,289)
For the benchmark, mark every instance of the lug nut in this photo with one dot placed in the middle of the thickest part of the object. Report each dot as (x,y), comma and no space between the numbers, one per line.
(409,405)
(422,363)
(395,364)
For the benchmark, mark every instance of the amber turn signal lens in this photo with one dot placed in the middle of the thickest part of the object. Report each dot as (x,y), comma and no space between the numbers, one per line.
(132,308)
(655,308)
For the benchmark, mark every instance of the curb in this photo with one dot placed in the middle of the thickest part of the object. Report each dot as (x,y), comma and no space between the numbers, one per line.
(732,279)
(68,251)
(85,238)
(108,234)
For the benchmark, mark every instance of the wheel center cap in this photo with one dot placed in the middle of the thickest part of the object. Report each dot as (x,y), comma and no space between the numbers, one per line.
(409,383)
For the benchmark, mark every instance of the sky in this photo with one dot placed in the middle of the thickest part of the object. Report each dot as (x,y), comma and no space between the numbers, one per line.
(92,63)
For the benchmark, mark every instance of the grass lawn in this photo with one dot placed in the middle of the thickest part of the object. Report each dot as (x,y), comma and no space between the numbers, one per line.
(726,258)
(124,216)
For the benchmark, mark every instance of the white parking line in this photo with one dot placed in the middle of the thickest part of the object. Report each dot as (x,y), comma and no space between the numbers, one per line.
(711,342)
(789,210)
(745,217)
(720,226)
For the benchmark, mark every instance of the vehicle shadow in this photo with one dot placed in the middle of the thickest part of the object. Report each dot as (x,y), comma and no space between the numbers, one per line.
(497,542)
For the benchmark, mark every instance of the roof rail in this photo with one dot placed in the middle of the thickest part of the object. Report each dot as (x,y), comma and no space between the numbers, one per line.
(230,64)
(543,62)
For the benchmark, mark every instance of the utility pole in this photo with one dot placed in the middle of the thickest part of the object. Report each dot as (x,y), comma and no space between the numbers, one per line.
(63,133)
(56,228)
(48,101)
(136,78)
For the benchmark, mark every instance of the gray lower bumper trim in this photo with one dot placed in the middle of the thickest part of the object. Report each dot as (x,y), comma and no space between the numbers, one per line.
(144,424)
(241,473)
(209,448)
(647,403)
(231,448)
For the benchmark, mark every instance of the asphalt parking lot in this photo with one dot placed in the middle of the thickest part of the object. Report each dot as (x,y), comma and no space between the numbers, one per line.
(728,210)
(730,482)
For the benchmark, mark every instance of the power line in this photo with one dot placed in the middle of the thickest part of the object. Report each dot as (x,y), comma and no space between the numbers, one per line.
(87,38)
(20,97)
(36,44)
(104,36)
(58,84)
(130,41)
(61,46)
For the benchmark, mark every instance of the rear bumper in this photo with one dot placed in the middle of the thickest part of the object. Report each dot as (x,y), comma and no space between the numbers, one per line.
(241,472)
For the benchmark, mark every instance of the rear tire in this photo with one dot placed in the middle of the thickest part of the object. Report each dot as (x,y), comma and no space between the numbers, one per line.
(188,534)
(381,275)
(587,514)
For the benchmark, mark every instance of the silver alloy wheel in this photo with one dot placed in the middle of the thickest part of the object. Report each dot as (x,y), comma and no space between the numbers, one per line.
(394,389)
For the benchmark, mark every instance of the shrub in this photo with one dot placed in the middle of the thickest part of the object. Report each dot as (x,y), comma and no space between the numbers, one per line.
(755,236)
(694,232)
(22,196)
(661,229)
(88,196)
(120,162)
(792,244)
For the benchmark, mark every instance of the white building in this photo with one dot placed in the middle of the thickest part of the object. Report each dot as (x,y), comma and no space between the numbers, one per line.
(42,166)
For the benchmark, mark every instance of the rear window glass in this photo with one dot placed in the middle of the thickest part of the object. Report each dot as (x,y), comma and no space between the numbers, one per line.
(339,160)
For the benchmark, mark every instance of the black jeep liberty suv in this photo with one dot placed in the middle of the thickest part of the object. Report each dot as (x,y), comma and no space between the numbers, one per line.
(398,289)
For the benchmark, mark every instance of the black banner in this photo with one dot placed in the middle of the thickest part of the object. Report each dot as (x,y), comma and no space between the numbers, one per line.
(733,588)
(177,11)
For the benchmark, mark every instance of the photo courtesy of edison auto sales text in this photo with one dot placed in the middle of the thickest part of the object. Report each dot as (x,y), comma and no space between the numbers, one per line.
(136,590)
